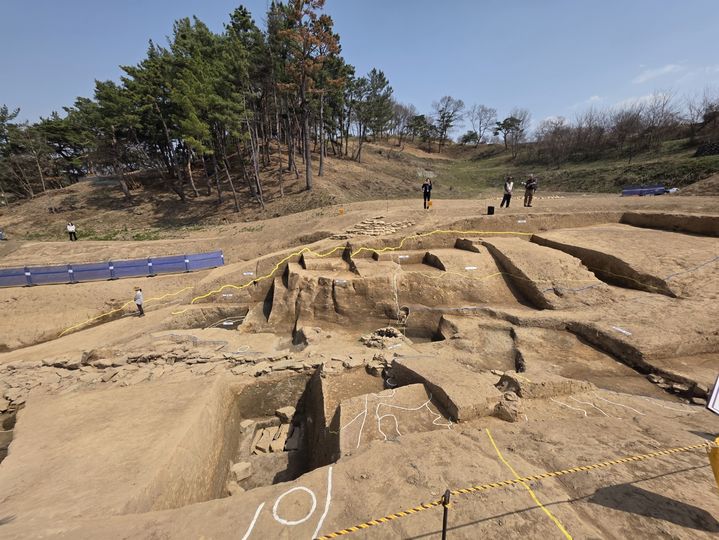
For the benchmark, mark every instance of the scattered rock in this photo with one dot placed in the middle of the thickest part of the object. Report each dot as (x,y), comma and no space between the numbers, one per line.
(307,335)
(108,375)
(240,471)
(285,414)
(699,401)
(680,388)
(233,488)
(260,369)
(4,405)
(510,396)
(507,410)
(656,379)
(351,363)
(246,425)
(241,370)
(278,443)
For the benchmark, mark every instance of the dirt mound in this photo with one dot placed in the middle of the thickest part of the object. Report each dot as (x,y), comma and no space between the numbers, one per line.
(708,186)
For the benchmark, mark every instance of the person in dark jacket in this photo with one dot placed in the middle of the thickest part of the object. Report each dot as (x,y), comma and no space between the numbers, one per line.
(530,186)
(427,192)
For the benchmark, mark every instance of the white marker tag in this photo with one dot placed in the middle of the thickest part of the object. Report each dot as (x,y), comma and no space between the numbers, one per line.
(521,221)
(227,294)
(340,281)
(227,323)
(248,273)
(404,256)
(622,331)
(713,404)
(470,267)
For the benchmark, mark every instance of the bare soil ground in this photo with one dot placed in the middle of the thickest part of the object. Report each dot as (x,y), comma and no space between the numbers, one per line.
(532,340)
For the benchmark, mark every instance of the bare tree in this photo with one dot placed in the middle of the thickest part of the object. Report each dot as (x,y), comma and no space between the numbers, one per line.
(447,112)
(401,118)
(518,135)
(482,119)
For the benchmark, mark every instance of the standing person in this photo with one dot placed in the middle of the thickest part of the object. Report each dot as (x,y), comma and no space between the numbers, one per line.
(427,192)
(139,301)
(71,231)
(530,186)
(508,186)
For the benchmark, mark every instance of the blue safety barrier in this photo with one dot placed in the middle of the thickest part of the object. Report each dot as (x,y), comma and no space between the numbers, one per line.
(643,190)
(74,273)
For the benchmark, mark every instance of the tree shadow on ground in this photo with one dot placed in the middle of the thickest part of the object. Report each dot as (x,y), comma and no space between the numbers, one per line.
(642,506)
(635,500)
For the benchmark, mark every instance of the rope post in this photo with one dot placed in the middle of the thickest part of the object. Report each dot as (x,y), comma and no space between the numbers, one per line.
(187,263)
(445,504)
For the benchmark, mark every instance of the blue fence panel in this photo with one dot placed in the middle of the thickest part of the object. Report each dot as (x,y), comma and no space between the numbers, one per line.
(167,265)
(12,277)
(134,268)
(44,275)
(643,190)
(199,261)
(70,273)
(91,271)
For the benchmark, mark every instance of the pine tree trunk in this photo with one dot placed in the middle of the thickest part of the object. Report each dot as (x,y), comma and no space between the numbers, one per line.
(180,190)
(306,134)
(207,177)
(232,184)
(189,176)
(217,178)
(322,136)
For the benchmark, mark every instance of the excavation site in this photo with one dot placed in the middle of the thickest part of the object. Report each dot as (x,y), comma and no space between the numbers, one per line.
(350,385)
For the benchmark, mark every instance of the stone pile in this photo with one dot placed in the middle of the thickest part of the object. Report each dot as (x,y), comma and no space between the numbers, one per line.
(385,338)
(373,227)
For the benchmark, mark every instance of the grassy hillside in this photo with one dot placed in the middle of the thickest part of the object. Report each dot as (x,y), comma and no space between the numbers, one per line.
(473,171)
(96,205)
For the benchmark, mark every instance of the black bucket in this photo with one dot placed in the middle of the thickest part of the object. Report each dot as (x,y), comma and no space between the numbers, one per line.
(490,210)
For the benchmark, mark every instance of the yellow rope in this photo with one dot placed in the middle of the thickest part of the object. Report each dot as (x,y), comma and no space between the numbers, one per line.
(529,489)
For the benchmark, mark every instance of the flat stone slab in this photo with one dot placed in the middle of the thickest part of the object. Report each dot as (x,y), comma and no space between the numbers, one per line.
(464,394)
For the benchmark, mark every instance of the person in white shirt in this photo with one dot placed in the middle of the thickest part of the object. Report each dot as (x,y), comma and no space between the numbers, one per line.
(71,231)
(139,301)
(508,186)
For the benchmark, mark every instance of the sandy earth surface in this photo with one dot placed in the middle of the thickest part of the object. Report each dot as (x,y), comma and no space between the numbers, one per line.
(532,340)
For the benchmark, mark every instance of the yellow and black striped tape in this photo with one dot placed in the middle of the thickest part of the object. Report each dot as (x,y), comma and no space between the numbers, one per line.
(512,482)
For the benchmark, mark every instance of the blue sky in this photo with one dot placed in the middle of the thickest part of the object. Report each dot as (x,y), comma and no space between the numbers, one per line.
(553,57)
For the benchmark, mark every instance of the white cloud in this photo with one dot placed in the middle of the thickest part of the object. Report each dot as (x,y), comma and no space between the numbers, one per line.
(653,73)
(641,100)
(592,100)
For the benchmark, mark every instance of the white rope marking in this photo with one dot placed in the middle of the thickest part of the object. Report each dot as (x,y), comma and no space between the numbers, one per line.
(659,403)
(254,520)
(423,405)
(589,403)
(327,503)
(377,395)
(568,406)
(359,437)
(298,521)
(379,424)
(619,404)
